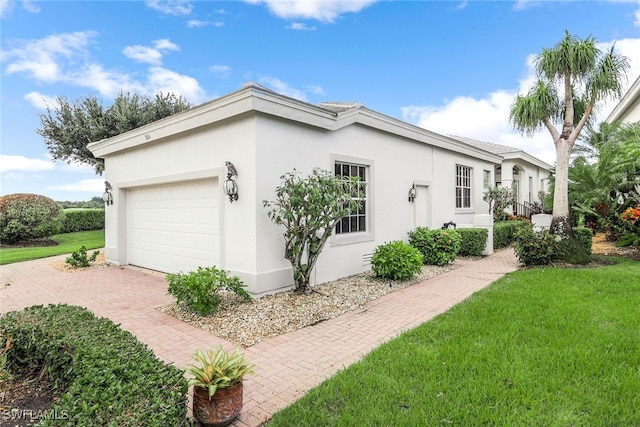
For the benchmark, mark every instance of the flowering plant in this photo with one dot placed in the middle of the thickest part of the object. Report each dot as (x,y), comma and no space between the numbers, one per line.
(631,215)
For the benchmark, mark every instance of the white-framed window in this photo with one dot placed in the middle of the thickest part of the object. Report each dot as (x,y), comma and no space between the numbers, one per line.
(463,186)
(487,178)
(356,221)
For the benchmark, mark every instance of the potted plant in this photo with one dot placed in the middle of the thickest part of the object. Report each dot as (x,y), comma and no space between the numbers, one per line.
(217,385)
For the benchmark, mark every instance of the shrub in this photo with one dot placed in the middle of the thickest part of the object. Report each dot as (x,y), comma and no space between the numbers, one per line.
(504,232)
(106,376)
(534,247)
(438,247)
(79,258)
(585,237)
(472,241)
(83,220)
(28,216)
(396,260)
(200,289)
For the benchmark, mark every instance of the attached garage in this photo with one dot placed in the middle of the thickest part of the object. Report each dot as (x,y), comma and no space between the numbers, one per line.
(174,227)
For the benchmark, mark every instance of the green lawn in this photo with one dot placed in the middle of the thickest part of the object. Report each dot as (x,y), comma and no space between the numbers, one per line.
(67,243)
(540,347)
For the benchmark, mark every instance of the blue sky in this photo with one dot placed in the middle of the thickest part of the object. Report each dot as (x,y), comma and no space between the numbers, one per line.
(453,67)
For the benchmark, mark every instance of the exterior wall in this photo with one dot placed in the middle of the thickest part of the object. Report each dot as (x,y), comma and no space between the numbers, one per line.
(394,164)
(195,155)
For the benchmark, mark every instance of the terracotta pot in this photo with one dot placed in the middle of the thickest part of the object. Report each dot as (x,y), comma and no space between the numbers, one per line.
(223,407)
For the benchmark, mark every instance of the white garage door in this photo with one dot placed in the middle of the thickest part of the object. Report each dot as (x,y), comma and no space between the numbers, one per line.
(174,227)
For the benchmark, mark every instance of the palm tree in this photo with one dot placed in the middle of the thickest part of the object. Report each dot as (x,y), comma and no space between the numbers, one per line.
(573,77)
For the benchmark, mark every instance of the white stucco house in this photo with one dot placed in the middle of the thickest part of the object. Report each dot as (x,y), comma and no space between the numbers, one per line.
(169,211)
(525,174)
(628,109)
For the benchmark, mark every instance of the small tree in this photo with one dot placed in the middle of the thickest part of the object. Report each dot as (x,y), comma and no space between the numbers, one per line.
(68,127)
(498,198)
(309,208)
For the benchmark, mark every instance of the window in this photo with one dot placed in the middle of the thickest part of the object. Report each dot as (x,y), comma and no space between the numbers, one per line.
(487,179)
(463,186)
(356,221)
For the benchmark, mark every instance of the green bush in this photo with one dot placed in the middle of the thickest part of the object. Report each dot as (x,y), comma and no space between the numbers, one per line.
(585,237)
(396,260)
(28,216)
(472,241)
(200,289)
(438,247)
(504,232)
(106,376)
(82,220)
(79,258)
(534,247)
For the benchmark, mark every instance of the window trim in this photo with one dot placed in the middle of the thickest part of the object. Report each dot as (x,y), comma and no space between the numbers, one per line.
(462,177)
(359,236)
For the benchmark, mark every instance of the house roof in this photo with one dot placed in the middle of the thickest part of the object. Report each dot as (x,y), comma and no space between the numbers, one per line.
(626,103)
(255,98)
(505,151)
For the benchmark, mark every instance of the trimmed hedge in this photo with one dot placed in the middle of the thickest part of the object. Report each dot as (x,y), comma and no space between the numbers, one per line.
(438,247)
(504,232)
(107,376)
(83,220)
(585,237)
(28,216)
(472,241)
(396,260)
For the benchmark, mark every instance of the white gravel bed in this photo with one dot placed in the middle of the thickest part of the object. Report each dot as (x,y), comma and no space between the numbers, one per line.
(248,323)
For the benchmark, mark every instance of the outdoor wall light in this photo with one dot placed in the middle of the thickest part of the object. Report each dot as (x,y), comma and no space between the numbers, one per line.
(412,193)
(107,196)
(230,186)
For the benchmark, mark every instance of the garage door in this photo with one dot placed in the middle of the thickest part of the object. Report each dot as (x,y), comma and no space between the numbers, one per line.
(174,227)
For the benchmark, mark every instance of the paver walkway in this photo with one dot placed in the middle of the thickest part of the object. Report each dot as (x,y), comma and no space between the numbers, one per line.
(286,366)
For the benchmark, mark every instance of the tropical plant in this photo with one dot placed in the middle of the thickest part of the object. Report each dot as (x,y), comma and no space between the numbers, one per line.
(218,369)
(201,289)
(499,198)
(68,127)
(309,209)
(573,77)
(79,258)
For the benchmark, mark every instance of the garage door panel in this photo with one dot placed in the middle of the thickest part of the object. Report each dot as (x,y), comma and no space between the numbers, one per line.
(174,227)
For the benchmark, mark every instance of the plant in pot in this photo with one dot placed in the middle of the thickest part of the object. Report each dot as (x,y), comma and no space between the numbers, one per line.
(217,385)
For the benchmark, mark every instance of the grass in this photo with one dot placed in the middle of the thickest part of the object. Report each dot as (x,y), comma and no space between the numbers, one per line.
(67,243)
(544,346)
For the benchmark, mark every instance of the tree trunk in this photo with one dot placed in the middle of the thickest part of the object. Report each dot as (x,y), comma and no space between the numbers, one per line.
(568,247)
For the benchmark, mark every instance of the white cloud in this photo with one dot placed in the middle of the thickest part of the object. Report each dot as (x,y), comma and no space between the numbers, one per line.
(320,10)
(487,118)
(65,58)
(30,6)
(40,101)
(167,81)
(88,185)
(196,23)
(150,55)
(283,88)
(10,163)
(171,7)
(43,59)
(143,54)
(6,7)
(301,27)
(220,70)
